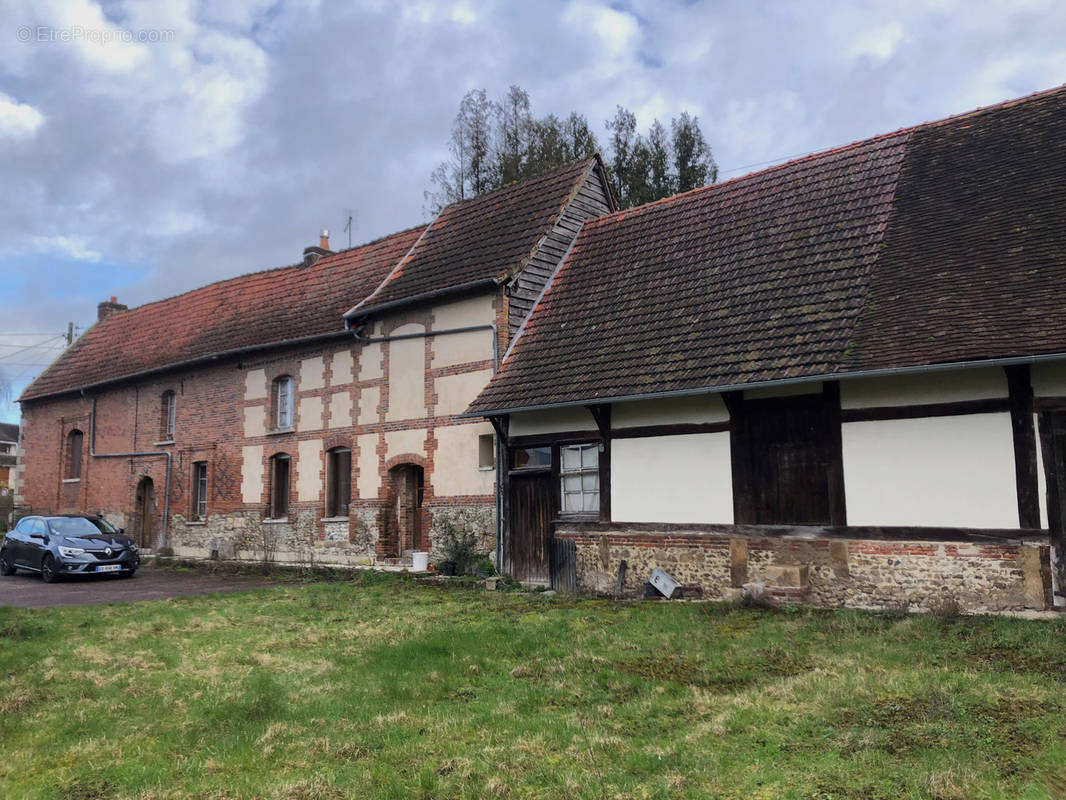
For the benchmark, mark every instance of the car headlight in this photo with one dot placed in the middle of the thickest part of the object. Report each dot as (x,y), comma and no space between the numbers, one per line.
(70,552)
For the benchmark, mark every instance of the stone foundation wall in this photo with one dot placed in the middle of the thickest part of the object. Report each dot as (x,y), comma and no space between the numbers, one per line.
(307,539)
(857,573)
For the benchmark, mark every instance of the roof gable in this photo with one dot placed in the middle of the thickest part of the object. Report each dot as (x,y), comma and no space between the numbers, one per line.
(486,238)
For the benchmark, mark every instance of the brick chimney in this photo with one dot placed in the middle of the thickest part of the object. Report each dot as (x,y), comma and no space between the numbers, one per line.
(109,307)
(312,254)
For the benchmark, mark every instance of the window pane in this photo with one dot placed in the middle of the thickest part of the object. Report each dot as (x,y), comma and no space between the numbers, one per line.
(571,458)
(590,456)
(527,457)
(590,482)
(571,483)
(592,502)
(572,503)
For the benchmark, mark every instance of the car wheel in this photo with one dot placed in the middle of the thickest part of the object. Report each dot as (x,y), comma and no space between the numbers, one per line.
(48,570)
(6,567)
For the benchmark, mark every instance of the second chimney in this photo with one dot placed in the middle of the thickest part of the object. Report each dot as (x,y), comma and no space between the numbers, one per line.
(109,307)
(312,254)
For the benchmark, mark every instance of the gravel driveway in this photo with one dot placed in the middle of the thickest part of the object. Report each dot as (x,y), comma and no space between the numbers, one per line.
(29,591)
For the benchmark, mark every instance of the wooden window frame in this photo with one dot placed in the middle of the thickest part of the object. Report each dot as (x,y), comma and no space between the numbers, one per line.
(563,473)
(75,454)
(338,482)
(280,490)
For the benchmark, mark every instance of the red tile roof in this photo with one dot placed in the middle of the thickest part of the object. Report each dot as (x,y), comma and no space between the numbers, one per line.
(247,311)
(940,243)
(486,238)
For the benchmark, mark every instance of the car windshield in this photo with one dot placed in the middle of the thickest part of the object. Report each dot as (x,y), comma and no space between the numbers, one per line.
(73,526)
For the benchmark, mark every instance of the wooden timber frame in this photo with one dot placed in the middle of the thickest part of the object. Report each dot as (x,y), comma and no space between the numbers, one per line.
(826,413)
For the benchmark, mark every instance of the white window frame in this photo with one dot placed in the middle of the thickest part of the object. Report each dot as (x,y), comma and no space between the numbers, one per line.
(585,474)
(284,397)
(171,400)
(199,476)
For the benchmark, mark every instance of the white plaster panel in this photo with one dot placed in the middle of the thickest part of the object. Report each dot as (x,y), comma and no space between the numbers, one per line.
(370,362)
(312,374)
(254,421)
(340,410)
(456,392)
(310,414)
(407,441)
(455,470)
(309,470)
(936,471)
(931,387)
(707,408)
(462,348)
(255,384)
(342,368)
(460,314)
(407,376)
(369,480)
(788,390)
(252,474)
(1041,480)
(556,420)
(672,479)
(369,400)
(1048,379)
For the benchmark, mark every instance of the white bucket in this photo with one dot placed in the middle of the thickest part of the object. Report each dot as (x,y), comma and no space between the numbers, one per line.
(419,561)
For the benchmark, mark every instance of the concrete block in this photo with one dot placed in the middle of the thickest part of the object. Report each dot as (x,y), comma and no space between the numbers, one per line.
(786,577)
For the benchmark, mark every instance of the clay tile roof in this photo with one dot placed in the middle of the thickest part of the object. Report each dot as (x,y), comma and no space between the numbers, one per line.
(941,243)
(486,238)
(248,311)
(9,432)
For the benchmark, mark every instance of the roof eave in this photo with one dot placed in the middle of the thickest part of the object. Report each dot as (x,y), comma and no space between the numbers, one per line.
(837,376)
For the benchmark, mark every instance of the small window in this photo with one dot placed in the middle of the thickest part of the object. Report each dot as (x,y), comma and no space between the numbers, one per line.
(531,458)
(74,446)
(199,491)
(168,413)
(579,469)
(279,486)
(486,451)
(338,481)
(283,401)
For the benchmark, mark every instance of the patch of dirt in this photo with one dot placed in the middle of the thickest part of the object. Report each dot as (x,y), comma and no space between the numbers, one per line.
(771,663)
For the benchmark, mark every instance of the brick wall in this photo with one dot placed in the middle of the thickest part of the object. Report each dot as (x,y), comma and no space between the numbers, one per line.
(210,426)
(858,573)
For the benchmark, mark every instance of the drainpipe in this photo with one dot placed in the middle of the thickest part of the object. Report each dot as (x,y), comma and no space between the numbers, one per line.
(489,326)
(144,454)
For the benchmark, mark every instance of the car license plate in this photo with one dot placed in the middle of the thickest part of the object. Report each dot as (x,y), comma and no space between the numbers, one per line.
(109,568)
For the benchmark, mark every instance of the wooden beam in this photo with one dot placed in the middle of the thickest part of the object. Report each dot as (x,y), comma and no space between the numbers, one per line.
(838,509)
(960,408)
(1024,434)
(677,429)
(602,415)
(501,425)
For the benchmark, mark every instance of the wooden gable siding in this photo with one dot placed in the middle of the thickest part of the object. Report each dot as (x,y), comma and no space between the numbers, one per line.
(591,200)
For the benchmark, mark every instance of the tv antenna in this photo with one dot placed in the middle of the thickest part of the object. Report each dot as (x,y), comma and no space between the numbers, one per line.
(349,223)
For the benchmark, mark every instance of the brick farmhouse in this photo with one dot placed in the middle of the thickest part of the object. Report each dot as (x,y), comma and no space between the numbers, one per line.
(839,380)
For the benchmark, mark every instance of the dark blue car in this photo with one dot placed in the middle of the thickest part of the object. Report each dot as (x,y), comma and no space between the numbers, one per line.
(68,545)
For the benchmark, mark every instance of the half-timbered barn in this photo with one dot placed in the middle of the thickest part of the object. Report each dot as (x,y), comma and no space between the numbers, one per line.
(842,379)
(312,412)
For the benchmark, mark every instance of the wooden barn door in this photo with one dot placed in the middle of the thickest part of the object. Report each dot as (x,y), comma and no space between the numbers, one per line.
(530,502)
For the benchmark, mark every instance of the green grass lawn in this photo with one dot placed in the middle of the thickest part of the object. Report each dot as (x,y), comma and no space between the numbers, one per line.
(380,687)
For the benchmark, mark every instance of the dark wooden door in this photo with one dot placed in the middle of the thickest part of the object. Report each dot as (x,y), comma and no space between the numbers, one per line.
(1053,446)
(145,512)
(529,525)
(789,458)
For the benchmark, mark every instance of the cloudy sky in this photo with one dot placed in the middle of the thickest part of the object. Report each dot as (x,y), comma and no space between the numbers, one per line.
(150,147)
